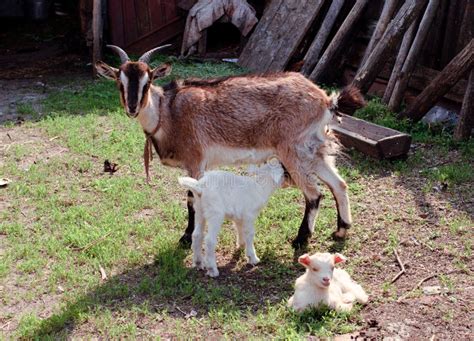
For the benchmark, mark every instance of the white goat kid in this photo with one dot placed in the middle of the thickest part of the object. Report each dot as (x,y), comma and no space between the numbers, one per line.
(220,195)
(323,284)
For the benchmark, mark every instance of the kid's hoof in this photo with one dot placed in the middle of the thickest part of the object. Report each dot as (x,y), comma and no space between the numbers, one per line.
(198,265)
(254,261)
(185,241)
(212,272)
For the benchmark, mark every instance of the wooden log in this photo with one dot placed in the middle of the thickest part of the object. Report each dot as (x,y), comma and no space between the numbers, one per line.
(467,26)
(97,30)
(466,117)
(406,15)
(388,10)
(371,139)
(401,56)
(278,34)
(460,64)
(452,30)
(314,51)
(413,55)
(338,41)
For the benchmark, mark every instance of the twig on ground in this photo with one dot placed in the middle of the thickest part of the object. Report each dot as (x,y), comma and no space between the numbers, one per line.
(91,244)
(9,137)
(401,298)
(54,138)
(402,267)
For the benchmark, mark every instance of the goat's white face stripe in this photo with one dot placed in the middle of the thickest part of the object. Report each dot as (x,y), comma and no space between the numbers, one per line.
(143,80)
(124,80)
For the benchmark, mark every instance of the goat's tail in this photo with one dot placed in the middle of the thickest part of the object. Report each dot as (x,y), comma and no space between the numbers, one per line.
(191,184)
(347,101)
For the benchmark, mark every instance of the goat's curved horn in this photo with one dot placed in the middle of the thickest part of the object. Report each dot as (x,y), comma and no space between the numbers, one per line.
(121,53)
(145,58)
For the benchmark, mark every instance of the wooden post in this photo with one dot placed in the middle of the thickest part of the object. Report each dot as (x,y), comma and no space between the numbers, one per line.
(401,56)
(460,64)
(338,40)
(317,45)
(406,15)
(410,62)
(388,10)
(97,30)
(466,117)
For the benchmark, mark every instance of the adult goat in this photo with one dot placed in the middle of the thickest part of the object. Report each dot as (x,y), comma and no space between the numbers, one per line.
(200,124)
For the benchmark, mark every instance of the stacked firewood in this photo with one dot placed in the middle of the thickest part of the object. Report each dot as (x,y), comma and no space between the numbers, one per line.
(403,29)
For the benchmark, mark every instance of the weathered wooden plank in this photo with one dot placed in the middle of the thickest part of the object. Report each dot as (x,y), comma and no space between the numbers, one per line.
(143,17)
(278,34)
(129,16)
(314,51)
(413,55)
(466,117)
(460,64)
(391,38)
(97,30)
(401,56)
(371,139)
(338,41)
(388,10)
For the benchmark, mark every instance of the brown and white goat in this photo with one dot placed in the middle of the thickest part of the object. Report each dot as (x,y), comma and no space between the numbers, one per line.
(200,124)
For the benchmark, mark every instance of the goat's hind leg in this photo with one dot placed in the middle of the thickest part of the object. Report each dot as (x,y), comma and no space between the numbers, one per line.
(329,175)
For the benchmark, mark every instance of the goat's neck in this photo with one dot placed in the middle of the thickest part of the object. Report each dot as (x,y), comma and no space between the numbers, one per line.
(149,115)
(268,186)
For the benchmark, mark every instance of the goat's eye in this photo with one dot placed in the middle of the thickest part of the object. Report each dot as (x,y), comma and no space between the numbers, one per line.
(314,269)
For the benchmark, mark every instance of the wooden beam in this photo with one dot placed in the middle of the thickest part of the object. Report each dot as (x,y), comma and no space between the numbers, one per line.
(406,15)
(278,34)
(338,41)
(460,64)
(389,8)
(401,56)
(97,30)
(311,58)
(466,117)
(413,56)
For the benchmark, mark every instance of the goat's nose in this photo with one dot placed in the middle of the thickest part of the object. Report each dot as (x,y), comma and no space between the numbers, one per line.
(326,279)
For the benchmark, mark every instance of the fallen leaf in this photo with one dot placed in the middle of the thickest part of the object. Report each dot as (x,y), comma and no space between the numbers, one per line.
(103,275)
(110,167)
(4,182)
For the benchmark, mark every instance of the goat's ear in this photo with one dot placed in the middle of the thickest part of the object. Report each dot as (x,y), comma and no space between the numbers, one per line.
(106,71)
(338,258)
(304,260)
(161,71)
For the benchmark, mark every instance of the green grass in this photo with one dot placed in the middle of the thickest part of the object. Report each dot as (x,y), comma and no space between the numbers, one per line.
(66,219)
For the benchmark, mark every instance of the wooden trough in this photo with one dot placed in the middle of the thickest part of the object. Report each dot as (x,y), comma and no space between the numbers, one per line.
(371,139)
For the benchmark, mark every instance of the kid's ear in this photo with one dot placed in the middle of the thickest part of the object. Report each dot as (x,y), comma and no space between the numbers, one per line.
(304,260)
(161,71)
(106,71)
(338,258)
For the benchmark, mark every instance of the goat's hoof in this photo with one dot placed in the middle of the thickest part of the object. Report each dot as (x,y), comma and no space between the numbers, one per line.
(185,241)
(199,265)
(340,234)
(254,261)
(212,272)
(299,243)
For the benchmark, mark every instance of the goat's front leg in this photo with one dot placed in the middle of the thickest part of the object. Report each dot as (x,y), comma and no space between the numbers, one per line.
(210,241)
(198,235)
(186,240)
(249,232)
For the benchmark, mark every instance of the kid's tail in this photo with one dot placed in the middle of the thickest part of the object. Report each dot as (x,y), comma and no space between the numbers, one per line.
(347,101)
(191,184)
